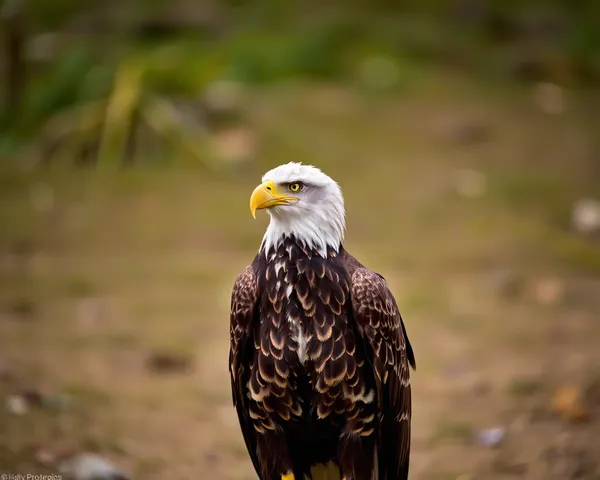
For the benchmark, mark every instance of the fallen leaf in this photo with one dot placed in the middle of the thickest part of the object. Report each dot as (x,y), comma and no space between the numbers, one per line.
(33,397)
(569,403)
(162,362)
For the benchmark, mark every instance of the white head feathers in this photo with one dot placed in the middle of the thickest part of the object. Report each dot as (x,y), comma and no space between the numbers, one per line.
(317,218)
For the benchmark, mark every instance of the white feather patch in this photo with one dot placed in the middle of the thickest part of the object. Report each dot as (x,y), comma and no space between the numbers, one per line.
(302,345)
(367,397)
(301,339)
(279,266)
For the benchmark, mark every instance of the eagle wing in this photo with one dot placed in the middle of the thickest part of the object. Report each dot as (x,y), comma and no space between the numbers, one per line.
(244,298)
(380,325)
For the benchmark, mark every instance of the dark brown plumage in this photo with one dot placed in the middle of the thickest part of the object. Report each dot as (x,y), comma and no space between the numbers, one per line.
(319,364)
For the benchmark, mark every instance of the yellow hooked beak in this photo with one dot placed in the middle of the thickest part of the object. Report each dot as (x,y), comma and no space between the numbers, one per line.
(266,195)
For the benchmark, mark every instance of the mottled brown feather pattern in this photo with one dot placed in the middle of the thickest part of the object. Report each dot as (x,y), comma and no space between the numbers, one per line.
(243,301)
(319,365)
(380,323)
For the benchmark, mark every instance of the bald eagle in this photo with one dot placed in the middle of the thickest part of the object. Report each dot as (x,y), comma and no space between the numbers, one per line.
(319,356)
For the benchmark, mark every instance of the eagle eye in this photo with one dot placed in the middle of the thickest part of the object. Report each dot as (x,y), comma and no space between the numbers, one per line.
(295,187)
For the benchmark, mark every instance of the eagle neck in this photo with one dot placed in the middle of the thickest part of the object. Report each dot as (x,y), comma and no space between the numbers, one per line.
(313,243)
(291,248)
(320,229)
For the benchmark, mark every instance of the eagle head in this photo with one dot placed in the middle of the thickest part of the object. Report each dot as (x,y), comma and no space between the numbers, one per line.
(303,203)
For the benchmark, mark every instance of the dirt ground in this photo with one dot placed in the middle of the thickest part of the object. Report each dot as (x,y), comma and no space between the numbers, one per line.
(459,195)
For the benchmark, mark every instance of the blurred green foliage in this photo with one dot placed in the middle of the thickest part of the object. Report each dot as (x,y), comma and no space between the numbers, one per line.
(374,44)
(73,79)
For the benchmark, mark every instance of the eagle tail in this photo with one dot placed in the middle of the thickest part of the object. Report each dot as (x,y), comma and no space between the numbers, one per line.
(325,471)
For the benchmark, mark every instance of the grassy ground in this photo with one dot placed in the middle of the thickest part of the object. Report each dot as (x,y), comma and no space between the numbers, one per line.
(101,270)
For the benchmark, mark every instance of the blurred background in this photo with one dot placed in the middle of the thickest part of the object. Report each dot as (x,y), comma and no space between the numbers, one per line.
(465,135)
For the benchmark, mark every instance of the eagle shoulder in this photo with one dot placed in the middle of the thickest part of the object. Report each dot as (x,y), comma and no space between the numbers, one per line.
(244,293)
(379,319)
